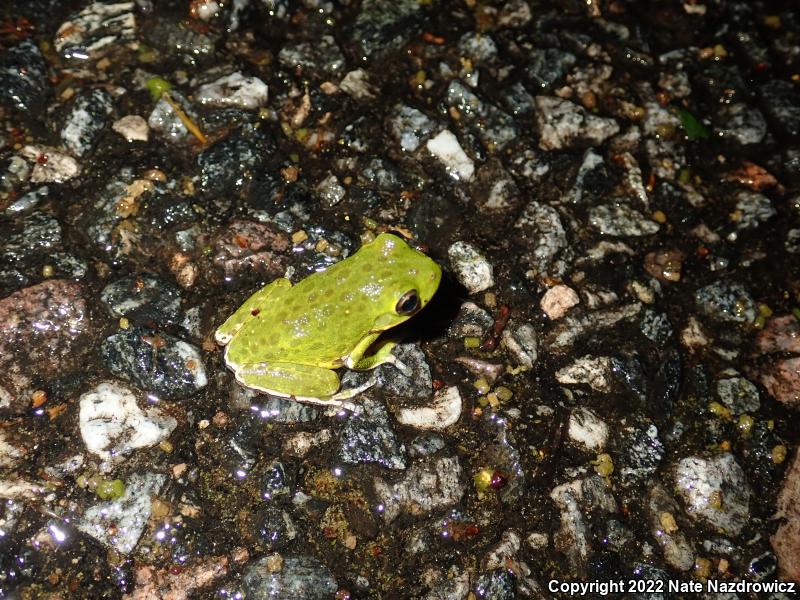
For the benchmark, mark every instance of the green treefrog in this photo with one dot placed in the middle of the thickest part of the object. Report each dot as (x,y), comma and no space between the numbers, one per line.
(287,339)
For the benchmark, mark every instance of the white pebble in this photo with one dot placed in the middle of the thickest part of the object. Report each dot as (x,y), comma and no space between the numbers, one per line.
(443,411)
(446,148)
(472,269)
(133,128)
(558,300)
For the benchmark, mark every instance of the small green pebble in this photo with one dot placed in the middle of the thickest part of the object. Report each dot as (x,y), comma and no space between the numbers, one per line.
(796,313)
(472,342)
(482,386)
(745,425)
(720,410)
(503,393)
(483,479)
(109,490)
(604,465)
(157,87)
(48,270)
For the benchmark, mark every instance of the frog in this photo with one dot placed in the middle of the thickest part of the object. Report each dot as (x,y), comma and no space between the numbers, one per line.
(288,340)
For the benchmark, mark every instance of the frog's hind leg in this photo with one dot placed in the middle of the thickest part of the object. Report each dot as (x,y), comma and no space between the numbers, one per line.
(305,382)
(256,302)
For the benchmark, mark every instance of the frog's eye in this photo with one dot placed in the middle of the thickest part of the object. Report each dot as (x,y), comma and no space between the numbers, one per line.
(408,303)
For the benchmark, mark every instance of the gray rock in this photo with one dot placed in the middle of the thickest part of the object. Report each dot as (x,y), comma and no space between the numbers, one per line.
(35,237)
(522,341)
(738,394)
(675,546)
(617,218)
(95,30)
(367,437)
(143,298)
(410,127)
(322,56)
(425,444)
(500,584)
(271,408)
(300,577)
(641,452)
(234,90)
(426,486)
(278,482)
(715,491)
(656,326)
(564,124)
(726,301)
(164,120)
(545,66)
(418,385)
(754,209)
(156,362)
(543,241)
(89,114)
(472,269)
(488,123)
(740,123)
(118,524)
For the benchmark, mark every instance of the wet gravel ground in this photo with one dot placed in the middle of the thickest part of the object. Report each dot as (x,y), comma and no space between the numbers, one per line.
(605,387)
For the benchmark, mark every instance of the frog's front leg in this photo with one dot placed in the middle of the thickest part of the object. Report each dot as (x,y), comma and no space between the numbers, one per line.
(255,302)
(358,361)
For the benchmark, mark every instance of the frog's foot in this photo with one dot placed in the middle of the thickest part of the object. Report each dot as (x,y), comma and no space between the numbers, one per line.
(382,356)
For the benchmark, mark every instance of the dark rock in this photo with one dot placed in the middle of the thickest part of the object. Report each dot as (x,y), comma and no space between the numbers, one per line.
(277,482)
(781,103)
(156,362)
(303,577)
(274,528)
(545,66)
(88,115)
(383,27)
(23,77)
(367,437)
(143,298)
(227,168)
(726,301)
(500,584)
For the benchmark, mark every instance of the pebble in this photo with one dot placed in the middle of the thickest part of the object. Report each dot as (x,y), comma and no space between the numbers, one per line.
(92,31)
(786,539)
(781,378)
(738,394)
(392,380)
(558,300)
(143,298)
(44,329)
(442,412)
(410,127)
(367,437)
(595,371)
(446,148)
(23,77)
(426,486)
(50,165)
(156,362)
(587,429)
(617,218)
(522,341)
(133,128)
(715,491)
(301,576)
(234,90)
(541,235)
(726,301)
(471,268)
(563,124)
(673,543)
(112,424)
(119,524)
(87,117)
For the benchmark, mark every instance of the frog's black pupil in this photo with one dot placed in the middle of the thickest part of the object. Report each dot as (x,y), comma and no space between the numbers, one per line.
(408,303)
